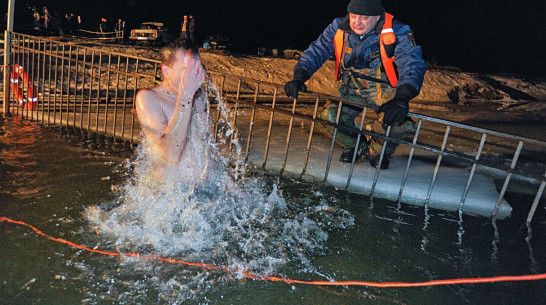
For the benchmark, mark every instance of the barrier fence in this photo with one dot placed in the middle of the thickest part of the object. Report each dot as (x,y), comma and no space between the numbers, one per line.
(93,91)
(77,86)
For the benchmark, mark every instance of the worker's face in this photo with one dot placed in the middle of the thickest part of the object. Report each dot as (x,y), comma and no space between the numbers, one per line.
(173,73)
(361,24)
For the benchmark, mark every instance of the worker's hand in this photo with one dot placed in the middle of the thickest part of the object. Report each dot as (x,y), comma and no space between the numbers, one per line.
(395,111)
(297,84)
(293,87)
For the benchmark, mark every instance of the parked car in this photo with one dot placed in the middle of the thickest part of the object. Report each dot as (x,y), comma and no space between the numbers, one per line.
(151,32)
(291,53)
(265,51)
(217,42)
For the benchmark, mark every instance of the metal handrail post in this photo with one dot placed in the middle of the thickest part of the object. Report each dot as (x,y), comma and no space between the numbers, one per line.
(437,167)
(268,137)
(55,82)
(507,180)
(97,110)
(234,123)
(310,138)
(535,202)
(358,139)
(472,171)
(114,121)
(74,110)
(408,164)
(62,85)
(331,152)
(250,127)
(288,136)
(378,169)
(83,87)
(220,98)
(43,54)
(108,73)
(7,54)
(133,109)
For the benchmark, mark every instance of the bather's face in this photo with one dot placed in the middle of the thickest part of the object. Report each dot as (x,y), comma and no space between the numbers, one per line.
(173,73)
(361,24)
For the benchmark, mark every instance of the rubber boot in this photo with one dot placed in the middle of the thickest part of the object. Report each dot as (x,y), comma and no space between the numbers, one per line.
(374,161)
(347,156)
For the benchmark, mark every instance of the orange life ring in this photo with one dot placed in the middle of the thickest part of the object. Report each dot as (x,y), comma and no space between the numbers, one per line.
(19,82)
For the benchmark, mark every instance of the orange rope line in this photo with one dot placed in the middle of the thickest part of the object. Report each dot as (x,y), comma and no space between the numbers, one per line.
(250,275)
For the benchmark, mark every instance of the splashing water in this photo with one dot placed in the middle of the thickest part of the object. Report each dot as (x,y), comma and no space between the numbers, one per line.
(204,210)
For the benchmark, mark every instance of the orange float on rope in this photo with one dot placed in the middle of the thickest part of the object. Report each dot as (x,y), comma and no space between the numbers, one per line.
(19,82)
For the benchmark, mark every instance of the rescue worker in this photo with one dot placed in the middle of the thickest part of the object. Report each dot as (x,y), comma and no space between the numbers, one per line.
(184,29)
(388,76)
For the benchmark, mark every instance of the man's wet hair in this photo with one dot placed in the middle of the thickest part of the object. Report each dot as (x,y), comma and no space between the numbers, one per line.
(168,52)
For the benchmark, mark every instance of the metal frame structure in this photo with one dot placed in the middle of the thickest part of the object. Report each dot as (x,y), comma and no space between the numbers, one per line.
(71,82)
(82,87)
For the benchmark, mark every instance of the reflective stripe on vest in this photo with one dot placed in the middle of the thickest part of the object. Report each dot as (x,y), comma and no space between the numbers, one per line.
(386,37)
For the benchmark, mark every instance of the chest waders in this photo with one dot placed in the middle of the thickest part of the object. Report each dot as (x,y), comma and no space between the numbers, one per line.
(370,85)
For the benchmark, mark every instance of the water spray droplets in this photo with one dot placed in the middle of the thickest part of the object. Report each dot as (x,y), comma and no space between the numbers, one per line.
(209,209)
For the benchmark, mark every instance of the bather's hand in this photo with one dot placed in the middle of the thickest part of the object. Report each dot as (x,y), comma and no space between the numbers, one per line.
(193,76)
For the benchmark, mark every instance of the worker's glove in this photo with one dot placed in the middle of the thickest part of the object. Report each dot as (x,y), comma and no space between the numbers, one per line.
(296,85)
(396,110)
(293,87)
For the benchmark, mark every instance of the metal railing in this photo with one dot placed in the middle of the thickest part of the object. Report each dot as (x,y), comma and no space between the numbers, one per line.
(81,87)
(94,90)
(503,150)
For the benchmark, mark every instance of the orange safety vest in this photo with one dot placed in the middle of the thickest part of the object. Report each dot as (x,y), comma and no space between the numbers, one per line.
(386,38)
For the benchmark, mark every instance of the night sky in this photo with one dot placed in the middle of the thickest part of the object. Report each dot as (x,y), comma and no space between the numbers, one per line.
(474,35)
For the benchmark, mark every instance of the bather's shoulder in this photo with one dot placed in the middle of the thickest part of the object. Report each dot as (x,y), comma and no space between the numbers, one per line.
(148,93)
(147,97)
(148,103)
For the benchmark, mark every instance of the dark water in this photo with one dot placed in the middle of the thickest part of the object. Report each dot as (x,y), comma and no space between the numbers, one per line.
(48,180)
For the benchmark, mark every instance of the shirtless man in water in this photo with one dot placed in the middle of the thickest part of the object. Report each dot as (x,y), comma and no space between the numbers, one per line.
(166,112)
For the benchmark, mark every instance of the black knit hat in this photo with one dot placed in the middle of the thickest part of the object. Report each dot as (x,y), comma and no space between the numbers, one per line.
(365,7)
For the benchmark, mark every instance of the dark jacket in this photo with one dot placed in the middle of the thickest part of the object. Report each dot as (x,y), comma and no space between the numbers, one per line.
(411,66)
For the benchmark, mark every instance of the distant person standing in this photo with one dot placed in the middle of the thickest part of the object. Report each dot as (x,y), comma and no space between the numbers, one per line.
(56,24)
(191,28)
(46,18)
(378,62)
(120,28)
(36,18)
(71,23)
(184,29)
(102,27)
